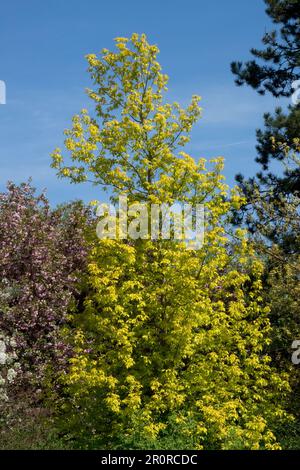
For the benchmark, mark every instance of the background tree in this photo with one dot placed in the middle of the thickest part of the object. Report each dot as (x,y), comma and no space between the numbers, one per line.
(42,252)
(280,59)
(271,211)
(276,70)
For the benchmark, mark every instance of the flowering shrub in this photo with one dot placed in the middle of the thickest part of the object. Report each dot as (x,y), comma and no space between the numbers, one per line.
(8,365)
(41,253)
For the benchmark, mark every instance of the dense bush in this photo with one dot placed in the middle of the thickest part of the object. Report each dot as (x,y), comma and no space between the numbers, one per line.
(158,344)
(42,250)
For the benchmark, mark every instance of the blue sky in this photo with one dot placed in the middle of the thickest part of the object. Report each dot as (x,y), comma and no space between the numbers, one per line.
(42,49)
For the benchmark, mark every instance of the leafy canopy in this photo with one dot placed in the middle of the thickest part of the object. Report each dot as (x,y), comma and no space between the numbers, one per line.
(169,342)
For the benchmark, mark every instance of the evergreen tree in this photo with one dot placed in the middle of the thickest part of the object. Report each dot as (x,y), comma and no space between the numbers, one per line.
(281,54)
(271,210)
(277,69)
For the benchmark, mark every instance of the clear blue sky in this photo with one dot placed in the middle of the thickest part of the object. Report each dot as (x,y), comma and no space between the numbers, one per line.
(42,49)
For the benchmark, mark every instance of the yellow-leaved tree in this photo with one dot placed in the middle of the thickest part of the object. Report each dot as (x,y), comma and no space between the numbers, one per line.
(170,342)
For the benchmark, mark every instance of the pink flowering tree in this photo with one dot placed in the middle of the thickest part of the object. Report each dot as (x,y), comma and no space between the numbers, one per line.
(42,253)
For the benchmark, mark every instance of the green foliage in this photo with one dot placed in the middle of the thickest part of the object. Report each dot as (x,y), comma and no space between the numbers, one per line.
(282,291)
(167,337)
(159,338)
(28,428)
(271,211)
(130,146)
(276,72)
(281,56)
